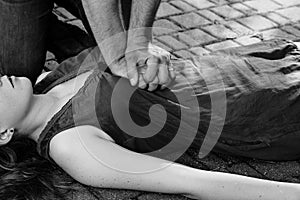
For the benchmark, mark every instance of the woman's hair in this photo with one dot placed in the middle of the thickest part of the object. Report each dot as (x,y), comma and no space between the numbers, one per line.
(24,175)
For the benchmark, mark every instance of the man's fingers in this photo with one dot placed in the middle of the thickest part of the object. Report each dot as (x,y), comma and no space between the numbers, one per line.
(132,73)
(153,85)
(152,69)
(142,83)
(172,72)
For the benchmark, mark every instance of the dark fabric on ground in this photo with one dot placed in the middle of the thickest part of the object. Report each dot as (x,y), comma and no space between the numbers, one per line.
(260,82)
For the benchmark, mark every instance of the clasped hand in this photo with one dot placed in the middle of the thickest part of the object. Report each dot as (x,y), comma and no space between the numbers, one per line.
(145,66)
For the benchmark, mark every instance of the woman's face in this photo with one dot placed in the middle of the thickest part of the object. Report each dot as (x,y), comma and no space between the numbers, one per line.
(15,99)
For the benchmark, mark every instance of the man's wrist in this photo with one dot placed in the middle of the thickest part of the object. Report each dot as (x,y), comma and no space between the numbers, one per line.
(113,47)
(139,36)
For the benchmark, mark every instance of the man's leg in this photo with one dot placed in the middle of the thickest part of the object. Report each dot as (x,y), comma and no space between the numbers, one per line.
(75,7)
(24,25)
(126,12)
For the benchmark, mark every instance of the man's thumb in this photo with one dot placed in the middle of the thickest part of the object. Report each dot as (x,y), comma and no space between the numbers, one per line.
(132,73)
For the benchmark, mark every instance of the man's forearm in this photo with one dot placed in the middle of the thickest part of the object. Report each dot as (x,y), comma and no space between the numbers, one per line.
(104,19)
(142,18)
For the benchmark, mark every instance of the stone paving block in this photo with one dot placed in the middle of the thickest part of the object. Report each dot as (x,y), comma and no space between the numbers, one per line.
(219,2)
(158,43)
(247,40)
(292,30)
(182,5)
(297,25)
(81,192)
(191,159)
(234,1)
(195,37)
(214,163)
(166,9)
(199,51)
(287,3)
(164,26)
(227,12)
(238,28)
(220,31)
(152,196)
(277,18)
(279,171)
(190,20)
(291,13)
(244,9)
(171,42)
(114,194)
(276,33)
(262,6)
(244,169)
(257,22)
(183,54)
(200,4)
(222,45)
(211,16)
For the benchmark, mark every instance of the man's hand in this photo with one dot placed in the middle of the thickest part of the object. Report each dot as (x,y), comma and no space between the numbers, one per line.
(149,65)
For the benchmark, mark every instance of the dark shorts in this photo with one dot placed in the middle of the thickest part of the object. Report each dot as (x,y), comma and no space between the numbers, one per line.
(29,29)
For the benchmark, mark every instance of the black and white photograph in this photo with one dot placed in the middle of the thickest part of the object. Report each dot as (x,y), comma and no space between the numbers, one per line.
(149,99)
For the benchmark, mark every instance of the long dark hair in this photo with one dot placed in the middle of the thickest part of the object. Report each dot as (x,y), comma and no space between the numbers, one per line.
(24,175)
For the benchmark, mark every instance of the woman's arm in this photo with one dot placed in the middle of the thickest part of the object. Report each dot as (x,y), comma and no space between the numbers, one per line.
(93,160)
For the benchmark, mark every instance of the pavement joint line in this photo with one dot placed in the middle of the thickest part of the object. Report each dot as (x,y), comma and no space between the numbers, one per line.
(179,8)
(281,15)
(276,3)
(225,19)
(244,12)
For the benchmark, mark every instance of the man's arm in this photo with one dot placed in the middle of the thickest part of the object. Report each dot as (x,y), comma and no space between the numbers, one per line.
(104,19)
(141,51)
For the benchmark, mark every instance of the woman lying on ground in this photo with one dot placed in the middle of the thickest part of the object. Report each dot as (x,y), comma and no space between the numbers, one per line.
(104,133)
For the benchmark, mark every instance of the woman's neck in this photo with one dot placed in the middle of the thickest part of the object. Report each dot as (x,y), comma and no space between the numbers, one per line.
(42,108)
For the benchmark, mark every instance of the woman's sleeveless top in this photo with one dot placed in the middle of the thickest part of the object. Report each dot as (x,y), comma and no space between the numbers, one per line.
(246,100)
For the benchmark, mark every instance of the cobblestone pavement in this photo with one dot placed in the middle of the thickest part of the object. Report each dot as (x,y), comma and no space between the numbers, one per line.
(196,27)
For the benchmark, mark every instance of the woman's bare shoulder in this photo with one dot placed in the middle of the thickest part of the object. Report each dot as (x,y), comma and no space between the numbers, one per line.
(66,141)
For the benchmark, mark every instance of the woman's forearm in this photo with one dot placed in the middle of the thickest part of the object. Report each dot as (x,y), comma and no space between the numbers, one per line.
(223,186)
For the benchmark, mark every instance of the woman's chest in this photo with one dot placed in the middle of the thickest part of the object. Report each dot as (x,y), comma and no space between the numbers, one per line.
(68,89)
